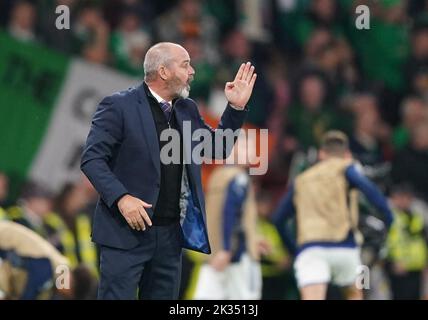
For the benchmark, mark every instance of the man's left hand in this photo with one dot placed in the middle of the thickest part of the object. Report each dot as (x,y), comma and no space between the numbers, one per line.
(221,260)
(239,91)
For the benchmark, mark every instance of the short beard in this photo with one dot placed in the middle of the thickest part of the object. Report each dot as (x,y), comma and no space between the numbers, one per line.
(180,92)
(184,92)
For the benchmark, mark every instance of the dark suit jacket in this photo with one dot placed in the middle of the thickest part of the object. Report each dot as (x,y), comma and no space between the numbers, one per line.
(122,156)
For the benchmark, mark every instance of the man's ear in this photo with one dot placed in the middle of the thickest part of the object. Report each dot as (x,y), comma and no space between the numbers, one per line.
(163,73)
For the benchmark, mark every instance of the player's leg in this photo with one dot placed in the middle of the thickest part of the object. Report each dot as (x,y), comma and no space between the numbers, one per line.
(312,273)
(353,293)
(314,291)
(345,264)
(244,279)
(210,284)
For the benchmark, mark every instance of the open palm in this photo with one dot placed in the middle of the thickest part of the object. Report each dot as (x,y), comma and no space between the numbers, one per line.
(239,91)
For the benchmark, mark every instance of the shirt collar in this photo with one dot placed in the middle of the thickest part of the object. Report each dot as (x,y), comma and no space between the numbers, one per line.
(157,97)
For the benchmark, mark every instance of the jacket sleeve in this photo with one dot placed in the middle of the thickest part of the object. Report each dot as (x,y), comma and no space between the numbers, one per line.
(224,137)
(104,138)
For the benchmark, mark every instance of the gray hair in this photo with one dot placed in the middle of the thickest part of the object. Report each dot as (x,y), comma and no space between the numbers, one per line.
(157,55)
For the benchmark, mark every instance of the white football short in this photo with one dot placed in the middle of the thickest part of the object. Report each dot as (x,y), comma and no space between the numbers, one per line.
(239,281)
(316,265)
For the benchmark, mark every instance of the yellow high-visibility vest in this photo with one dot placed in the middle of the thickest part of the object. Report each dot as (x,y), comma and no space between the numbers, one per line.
(3,214)
(406,243)
(270,234)
(87,249)
(16,214)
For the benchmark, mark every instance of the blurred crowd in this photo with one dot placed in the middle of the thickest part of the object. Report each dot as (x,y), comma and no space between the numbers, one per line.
(316,71)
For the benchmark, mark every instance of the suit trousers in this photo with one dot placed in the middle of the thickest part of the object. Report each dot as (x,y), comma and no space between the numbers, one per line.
(151,270)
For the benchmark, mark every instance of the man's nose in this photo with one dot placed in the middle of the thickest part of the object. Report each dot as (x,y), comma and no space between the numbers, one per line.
(191,71)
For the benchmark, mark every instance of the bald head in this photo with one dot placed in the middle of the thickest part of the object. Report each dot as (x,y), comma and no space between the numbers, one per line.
(167,70)
(161,54)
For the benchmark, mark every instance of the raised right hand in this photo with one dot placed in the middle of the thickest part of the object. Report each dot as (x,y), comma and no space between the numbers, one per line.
(132,209)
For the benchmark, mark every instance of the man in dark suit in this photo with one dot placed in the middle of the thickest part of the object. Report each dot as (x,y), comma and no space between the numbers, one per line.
(149,209)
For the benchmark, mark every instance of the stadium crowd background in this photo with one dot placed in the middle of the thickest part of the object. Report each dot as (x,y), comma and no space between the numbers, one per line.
(316,71)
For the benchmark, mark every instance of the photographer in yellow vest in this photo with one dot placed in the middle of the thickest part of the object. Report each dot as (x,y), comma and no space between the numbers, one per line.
(407,246)
(70,228)
(30,267)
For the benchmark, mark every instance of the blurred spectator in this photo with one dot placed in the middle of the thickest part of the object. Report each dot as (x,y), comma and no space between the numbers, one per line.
(362,102)
(84,285)
(364,142)
(411,163)
(225,12)
(335,60)
(255,19)
(235,49)
(382,53)
(188,19)
(129,43)
(419,53)
(92,34)
(71,228)
(34,205)
(370,140)
(413,111)
(22,21)
(205,74)
(321,13)
(419,83)
(310,117)
(144,9)
(28,268)
(278,279)
(276,76)
(92,195)
(59,39)
(407,246)
(383,50)
(319,38)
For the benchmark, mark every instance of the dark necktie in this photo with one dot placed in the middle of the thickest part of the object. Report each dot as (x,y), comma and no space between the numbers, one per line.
(166,108)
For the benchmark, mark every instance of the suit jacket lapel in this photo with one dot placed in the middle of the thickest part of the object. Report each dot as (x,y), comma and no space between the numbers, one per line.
(187,141)
(181,116)
(149,127)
